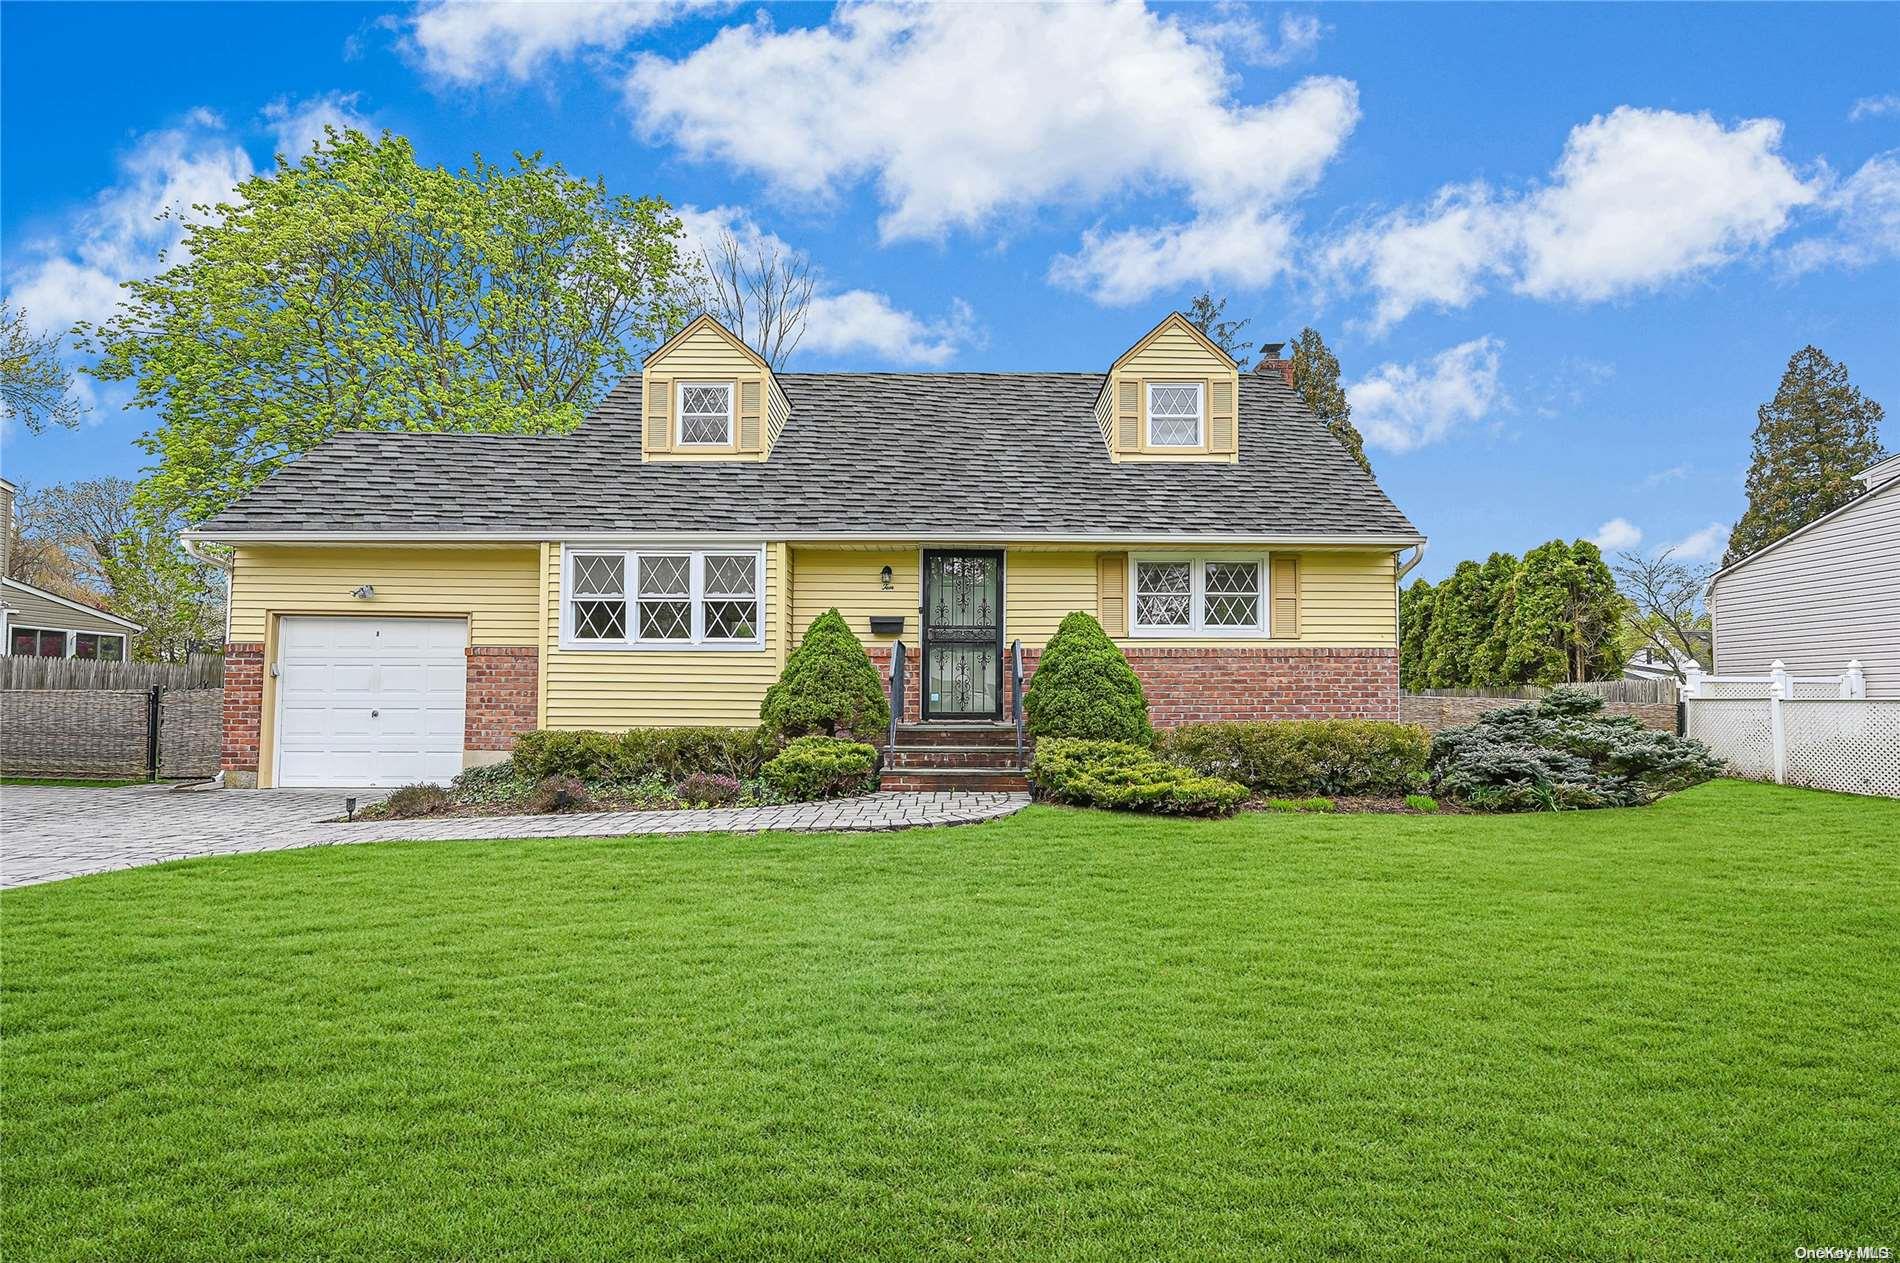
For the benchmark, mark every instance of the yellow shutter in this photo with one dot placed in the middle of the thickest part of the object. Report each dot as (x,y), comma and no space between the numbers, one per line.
(1128,417)
(1111,592)
(659,424)
(1221,424)
(1285,588)
(751,425)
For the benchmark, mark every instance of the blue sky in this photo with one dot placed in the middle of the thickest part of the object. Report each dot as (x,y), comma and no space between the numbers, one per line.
(1563,253)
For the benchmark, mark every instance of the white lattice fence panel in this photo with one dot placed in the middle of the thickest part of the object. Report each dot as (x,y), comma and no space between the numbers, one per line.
(1734,687)
(1737,729)
(1825,688)
(1852,746)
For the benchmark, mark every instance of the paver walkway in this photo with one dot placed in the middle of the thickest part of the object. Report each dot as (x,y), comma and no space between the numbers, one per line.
(47,833)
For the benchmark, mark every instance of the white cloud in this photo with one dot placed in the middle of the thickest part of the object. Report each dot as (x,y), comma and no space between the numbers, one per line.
(1617,535)
(1866,210)
(1401,407)
(121,234)
(297,125)
(1706,544)
(1675,473)
(1638,198)
(468,41)
(1874,107)
(961,115)
(846,322)
(1237,29)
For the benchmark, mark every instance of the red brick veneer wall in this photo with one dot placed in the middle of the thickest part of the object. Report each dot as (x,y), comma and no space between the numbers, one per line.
(1195,685)
(503,685)
(243,710)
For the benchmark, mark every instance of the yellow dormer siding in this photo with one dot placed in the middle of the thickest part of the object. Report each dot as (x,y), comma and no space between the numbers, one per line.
(700,375)
(1151,391)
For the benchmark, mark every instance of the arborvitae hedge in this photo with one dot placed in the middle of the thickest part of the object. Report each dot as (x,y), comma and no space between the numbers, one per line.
(829,686)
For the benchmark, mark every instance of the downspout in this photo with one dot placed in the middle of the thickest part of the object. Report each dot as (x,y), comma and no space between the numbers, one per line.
(1398,581)
(228,564)
(1418,555)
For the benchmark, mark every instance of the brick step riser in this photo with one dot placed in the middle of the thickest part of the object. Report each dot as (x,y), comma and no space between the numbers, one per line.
(921,780)
(1000,760)
(912,736)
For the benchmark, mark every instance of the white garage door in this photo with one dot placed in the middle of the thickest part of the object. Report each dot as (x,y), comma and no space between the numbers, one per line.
(370,701)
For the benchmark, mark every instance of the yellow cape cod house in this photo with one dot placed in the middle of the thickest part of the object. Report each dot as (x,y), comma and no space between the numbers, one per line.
(402,605)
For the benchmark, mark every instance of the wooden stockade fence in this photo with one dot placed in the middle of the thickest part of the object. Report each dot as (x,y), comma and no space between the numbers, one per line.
(1651,703)
(201,671)
(1613,692)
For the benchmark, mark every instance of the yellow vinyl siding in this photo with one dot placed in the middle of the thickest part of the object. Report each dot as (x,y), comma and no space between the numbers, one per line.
(496,588)
(847,579)
(1173,352)
(1347,601)
(619,689)
(1041,589)
(705,352)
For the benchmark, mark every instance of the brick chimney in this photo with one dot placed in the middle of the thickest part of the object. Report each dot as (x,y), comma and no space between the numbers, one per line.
(1270,361)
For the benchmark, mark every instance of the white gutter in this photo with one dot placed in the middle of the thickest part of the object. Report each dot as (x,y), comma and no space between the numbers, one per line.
(193,545)
(1152,538)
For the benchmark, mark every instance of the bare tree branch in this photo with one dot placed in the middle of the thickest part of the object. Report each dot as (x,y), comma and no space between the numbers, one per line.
(763,294)
(1666,611)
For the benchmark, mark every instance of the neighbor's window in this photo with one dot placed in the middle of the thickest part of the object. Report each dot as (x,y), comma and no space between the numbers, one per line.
(1199,595)
(664,598)
(730,596)
(31,642)
(98,647)
(1174,414)
(705,414)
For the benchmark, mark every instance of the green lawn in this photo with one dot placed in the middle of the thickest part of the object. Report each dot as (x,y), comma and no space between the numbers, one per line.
(1672,1032)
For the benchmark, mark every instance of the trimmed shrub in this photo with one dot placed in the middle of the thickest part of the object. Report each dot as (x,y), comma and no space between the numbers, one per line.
(412,801)
(559,793)
(493,785)
(1562,753)
(708,789)
(1123,776)
(1084,688)
(1352,758)
(811,768)
(639,754)
(828,686)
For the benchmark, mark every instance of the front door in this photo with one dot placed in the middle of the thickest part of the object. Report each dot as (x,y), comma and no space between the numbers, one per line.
(963,635)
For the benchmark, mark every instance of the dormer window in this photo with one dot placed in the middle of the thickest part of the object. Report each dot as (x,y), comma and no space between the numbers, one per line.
(1176,412)
(705,414)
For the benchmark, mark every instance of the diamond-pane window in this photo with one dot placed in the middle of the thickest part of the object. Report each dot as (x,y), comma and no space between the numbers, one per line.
(600,596)
(666,607)
(665,620)
(1163,593)
(731,592)
(663,574)
(1174,414)
(1231,592)
(706,413)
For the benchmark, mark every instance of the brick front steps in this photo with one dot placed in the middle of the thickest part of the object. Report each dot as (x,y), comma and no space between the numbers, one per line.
(940,757)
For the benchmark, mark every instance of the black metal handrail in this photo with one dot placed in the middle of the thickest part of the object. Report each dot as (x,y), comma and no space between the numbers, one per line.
(1016,694)
(897,691)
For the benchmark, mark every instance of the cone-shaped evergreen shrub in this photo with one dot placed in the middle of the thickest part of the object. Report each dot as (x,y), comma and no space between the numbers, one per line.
(829,686)
(1083,687)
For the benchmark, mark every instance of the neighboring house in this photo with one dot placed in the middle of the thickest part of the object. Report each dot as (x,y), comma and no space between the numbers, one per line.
(403,604)
(35,623)
(1821,596)
(1656,664)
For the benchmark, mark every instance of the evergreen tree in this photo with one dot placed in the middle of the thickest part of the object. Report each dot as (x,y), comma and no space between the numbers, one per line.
(1487,604)
(1415,626)
(1316,377)
(1562,617)
(1205,313)
(1459,626)
(828,686)
(1810,441)
(1084,687)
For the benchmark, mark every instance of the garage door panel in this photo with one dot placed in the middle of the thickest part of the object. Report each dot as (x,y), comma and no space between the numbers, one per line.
(370,701)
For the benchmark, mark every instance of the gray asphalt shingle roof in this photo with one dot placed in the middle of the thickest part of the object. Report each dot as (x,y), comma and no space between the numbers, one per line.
(900,454)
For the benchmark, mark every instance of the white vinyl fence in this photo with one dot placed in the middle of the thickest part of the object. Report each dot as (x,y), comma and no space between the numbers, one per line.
(1817,731)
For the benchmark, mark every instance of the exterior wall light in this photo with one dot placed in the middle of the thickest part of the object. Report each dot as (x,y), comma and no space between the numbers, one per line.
(884,577)
(364,593)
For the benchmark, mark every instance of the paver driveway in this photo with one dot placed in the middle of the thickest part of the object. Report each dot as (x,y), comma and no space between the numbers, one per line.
(47,833)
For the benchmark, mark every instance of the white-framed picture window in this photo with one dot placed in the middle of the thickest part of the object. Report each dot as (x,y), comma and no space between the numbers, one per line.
(50,642)
(705,414)
(663,598)
(1180,595)
(1176,414)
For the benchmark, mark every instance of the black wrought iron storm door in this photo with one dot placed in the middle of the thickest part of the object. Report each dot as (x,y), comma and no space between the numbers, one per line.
(963,635)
